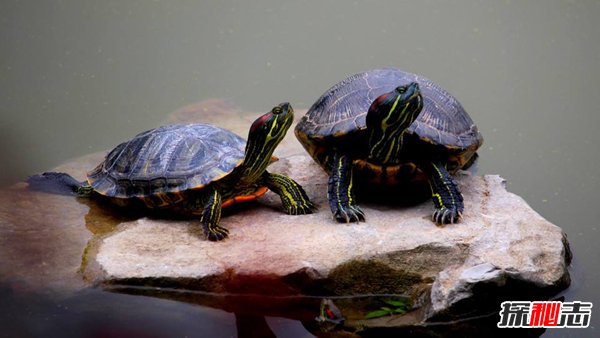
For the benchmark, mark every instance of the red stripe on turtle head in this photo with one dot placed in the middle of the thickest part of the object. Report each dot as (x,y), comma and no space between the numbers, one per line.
(260,121)
(379,100)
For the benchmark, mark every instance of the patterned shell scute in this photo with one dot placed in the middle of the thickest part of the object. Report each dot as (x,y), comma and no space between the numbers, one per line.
(343,109)
(168,159)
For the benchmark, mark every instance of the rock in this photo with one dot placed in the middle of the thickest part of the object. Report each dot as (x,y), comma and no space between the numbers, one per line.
(42,239)
(501,249)
(501,241)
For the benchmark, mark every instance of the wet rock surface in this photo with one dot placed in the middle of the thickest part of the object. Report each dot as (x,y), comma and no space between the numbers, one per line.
(502,248)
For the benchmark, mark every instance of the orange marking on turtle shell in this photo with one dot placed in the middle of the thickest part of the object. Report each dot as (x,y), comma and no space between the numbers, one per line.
(237,199)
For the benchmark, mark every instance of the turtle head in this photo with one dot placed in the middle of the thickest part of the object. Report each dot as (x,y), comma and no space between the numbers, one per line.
(388,118)
(269,129)
(265,134)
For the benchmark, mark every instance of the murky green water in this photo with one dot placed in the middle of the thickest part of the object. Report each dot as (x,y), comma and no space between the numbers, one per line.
(77,78)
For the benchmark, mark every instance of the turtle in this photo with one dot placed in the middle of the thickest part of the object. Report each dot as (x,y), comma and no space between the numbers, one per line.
(387,126)
(193,168)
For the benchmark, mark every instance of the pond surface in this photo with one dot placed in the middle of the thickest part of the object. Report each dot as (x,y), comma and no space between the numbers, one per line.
(80,78)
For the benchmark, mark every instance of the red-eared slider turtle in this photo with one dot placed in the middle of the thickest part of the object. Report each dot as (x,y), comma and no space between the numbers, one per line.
(390,126)
(195,168)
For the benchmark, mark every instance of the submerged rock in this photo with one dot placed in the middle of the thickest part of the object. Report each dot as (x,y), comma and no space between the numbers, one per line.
(502,249)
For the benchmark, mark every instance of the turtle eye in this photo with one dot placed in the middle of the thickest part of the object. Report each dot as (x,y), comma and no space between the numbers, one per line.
(277,110)
(452,165)
(401,90)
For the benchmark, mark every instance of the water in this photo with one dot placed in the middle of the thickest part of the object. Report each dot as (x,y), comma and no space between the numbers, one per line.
(77,78)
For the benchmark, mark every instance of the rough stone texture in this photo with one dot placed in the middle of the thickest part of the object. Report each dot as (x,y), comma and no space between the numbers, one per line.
(502,248)
(398,250)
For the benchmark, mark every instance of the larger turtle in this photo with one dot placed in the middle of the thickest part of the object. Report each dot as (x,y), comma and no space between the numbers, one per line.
(195,168)
(389,126)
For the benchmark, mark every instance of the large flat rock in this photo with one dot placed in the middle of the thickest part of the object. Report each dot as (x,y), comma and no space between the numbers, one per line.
(502,249)
(501,241)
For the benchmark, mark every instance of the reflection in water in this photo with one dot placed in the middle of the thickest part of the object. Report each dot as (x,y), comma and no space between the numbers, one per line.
(253,312)
(96,313)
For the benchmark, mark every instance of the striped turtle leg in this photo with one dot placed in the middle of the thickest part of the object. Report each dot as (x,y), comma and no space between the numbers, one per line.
(340,193)
(210,201)
(446,197)
(293,197)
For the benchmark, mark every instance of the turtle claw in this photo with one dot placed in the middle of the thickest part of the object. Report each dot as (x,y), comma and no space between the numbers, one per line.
(307,207)
(446,216)
(349,214)
(216,233)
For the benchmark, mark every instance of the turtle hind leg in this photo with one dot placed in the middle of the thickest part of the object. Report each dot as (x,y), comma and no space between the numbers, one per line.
(293,197)
(340,191)
(445,194)
(59,183)
(208,206)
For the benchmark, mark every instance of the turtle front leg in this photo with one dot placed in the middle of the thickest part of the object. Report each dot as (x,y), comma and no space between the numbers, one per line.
(446,197)
(293,197)
(210,215)
(340,192)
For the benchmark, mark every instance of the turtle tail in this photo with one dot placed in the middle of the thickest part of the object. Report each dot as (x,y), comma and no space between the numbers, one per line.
(59,183)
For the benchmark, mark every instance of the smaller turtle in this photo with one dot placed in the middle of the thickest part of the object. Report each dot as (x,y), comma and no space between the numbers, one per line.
(194,168)
(387,127)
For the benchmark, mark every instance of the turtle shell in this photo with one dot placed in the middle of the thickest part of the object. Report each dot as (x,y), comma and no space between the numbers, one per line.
(168,159)
(343,109)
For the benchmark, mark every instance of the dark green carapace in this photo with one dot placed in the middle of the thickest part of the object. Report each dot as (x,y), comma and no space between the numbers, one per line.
(387,126)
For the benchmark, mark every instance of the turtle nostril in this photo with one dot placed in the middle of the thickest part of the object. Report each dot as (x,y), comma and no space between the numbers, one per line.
(283,107)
